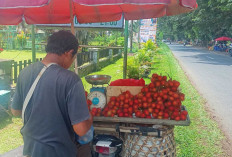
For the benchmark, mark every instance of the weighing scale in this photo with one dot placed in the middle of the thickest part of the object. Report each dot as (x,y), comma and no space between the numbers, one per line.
(97,94)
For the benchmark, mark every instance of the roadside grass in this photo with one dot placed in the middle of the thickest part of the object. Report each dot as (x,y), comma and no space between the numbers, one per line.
(20,55)
(203,137)
(10,133)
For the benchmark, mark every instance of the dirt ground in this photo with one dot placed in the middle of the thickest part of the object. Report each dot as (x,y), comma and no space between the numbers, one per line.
(227,142)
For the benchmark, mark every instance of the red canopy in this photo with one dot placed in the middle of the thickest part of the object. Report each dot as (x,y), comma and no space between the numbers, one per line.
(223,39)
(58,11)
(22,3)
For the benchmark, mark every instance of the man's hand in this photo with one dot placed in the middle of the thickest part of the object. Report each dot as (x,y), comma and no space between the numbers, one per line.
(83,127)
(16,113)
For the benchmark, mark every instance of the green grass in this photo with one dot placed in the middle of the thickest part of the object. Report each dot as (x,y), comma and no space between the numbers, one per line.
(20,55)
(115,70)
(202,138)
(10,133)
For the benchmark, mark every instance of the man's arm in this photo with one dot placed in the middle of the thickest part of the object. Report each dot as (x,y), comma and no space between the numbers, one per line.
(16,113)
(83,127)
(17,103)
(78,111)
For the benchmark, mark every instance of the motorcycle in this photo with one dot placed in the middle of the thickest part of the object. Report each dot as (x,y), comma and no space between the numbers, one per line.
(230,50)
(106,146)
(186,43)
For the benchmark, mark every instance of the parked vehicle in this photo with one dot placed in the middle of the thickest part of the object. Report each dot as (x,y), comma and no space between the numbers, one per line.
(106,146)
(186,43)
(167,41)
(230,50)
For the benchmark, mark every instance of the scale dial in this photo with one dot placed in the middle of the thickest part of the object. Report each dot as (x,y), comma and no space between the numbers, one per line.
(98,99)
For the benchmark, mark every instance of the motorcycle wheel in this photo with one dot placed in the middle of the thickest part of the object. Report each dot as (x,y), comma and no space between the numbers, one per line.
(230,52)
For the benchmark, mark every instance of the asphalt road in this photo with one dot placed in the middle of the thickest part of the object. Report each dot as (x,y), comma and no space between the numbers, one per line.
(211,74)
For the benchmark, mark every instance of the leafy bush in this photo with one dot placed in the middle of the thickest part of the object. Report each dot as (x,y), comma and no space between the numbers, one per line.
(132,69)
(140,66)
(144,71)
(142,56)
(121,41)
(133,72)
(149,46)
(99,39)
(22,39)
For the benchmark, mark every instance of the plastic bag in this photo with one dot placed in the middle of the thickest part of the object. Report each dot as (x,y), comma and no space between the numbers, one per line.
(87,137)
(128,82)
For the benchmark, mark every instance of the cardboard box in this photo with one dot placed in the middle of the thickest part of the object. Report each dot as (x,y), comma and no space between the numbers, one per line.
(117,90)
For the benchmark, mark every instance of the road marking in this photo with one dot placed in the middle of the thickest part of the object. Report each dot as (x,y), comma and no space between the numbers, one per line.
(209,57)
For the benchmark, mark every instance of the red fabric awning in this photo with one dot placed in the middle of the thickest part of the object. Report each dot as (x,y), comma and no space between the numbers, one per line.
(58,11)
(118,2)
(22,3)
(224,39)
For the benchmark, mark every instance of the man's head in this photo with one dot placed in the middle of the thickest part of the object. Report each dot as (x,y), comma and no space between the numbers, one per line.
(63,44)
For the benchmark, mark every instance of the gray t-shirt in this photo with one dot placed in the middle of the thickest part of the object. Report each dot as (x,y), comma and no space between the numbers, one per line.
(58,103)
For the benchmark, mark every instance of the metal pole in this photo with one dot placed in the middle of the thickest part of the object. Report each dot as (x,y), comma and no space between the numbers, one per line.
(156,32)
(125,49)
(33,43)
(131,37)
(139,35)
(73,32)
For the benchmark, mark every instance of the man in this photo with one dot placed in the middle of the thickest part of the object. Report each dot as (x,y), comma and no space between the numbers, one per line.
(57,108)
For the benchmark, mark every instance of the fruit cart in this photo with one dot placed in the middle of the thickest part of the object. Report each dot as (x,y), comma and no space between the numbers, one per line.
(143,117)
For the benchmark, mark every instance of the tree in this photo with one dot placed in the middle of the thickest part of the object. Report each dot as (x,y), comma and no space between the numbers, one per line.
(212,19)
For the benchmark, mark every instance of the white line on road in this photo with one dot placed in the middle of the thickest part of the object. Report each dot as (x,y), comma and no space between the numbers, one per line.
(209,57)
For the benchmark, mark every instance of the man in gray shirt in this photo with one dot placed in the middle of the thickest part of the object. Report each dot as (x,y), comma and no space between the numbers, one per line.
(57,109)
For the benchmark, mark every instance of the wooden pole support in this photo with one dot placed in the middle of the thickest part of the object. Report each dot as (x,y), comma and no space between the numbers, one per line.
(73,32)
(33,43)
(125,49)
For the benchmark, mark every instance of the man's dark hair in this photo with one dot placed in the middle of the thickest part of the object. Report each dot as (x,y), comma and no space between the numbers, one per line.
(61,42)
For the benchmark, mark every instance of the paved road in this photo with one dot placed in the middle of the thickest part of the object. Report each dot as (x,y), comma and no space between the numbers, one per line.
(212,75)
(18,152)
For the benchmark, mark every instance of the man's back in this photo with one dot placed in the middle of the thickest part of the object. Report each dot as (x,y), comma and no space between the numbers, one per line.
(57,103)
